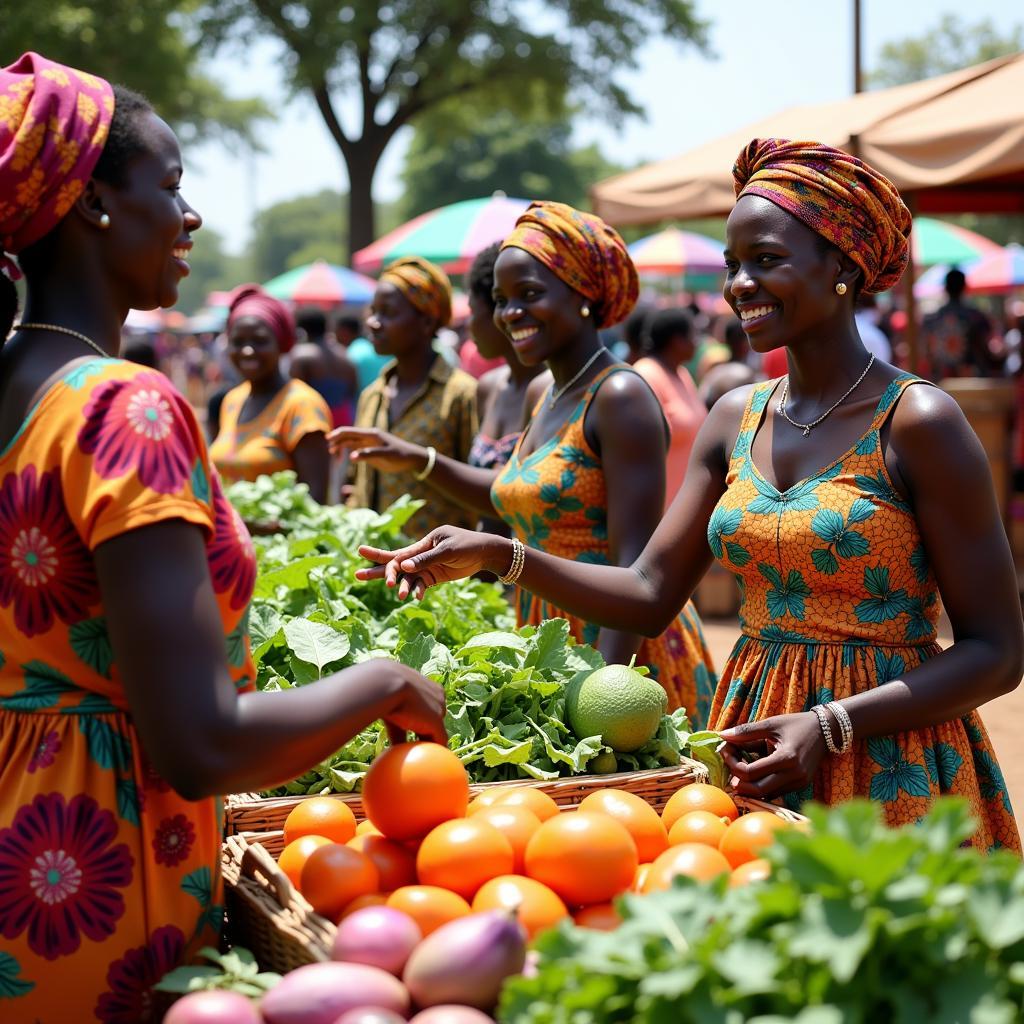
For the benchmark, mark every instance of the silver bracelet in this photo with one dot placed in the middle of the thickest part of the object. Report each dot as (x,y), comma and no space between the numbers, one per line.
(826,729)
(845,725)
(429,467)
(515,570)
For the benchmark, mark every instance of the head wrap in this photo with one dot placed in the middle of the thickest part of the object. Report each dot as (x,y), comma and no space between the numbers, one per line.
(425,285)
(584,252)
(840,197)
(53,124)
(252,300)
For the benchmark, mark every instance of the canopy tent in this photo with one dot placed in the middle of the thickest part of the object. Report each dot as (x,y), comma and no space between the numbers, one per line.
(955,142)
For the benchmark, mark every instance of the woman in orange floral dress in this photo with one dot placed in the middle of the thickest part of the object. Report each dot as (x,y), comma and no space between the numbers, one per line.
(838,496)
(125,579)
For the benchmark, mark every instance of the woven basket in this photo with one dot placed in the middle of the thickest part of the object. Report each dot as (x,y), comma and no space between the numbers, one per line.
(246,812)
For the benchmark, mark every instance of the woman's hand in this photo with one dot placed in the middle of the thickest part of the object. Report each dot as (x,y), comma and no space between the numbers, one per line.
(378,448)
(790,748)
(417,705)
(445,554)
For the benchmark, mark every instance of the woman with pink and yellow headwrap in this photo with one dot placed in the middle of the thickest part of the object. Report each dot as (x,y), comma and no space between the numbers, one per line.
(127,696)
(836,496)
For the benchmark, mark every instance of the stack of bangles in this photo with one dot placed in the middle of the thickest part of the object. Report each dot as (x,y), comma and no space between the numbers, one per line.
(845,726)
(518,561)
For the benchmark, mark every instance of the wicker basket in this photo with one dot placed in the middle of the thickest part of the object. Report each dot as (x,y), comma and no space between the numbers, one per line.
(268,916)
(247,812)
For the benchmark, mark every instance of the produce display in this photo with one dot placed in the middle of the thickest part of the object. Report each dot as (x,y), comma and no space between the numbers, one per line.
(506,690)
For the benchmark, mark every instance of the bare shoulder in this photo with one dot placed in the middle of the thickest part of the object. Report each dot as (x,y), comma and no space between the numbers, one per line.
(926,413)
(626,390)
(491,383)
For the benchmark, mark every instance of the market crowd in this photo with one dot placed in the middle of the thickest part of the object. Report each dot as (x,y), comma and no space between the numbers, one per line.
(592,452)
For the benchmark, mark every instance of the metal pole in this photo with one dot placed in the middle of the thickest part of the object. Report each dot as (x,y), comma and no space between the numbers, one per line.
(858,78)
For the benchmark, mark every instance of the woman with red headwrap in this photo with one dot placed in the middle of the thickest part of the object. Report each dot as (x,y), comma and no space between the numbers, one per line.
(126,679)
(846,497)
(269,422)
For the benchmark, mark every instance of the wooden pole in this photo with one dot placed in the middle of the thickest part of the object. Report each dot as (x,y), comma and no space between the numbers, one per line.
(858,78)
(910,300)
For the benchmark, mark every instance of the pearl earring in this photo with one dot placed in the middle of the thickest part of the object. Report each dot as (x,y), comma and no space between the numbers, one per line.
(584,311)
(840,288)
(105,221)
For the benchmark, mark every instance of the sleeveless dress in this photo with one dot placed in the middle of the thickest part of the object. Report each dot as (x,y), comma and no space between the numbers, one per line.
(108,878)
(838,598)
(556,500)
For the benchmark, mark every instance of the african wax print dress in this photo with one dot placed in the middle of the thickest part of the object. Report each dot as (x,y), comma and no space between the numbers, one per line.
(108,878)
(838,598)
(556,500)
(264,444)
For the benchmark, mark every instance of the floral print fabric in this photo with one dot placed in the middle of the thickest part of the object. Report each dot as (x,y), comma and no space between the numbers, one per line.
(556,500)
(108,878)
(838,598)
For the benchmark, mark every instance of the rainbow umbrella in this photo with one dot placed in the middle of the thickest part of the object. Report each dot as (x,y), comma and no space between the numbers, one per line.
(674,251)
(938,241)
(322,284)
(450,236)
(998,272)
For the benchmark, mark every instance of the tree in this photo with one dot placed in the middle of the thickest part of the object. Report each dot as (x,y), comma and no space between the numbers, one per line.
(212,269)
(403,58)
(298,231)
(147,46)
(949,46)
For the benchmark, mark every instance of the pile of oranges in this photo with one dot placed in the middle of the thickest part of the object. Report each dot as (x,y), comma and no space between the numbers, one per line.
(425,849)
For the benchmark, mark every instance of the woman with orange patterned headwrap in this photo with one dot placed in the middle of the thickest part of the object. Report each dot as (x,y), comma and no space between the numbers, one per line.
(821,491)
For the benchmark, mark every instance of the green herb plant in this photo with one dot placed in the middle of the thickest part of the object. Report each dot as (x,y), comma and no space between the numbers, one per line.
(235,971)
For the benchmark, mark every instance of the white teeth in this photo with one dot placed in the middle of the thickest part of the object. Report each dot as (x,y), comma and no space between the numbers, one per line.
(753,314)
(180,254)
(524,333)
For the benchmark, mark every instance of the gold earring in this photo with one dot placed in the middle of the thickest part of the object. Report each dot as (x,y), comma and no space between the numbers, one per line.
(105,221)
(840,288)
(584,310)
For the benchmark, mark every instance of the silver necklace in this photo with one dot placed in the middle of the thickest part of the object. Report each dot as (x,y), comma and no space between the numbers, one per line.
(808,427)
(575,377)
(63,330)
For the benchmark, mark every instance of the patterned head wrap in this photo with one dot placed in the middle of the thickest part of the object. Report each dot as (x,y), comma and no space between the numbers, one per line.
(252,300)
(425,285)
(53,124)
(840,197)
(584,252)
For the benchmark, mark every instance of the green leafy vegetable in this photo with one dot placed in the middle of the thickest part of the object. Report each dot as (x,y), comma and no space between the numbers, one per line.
(236,971)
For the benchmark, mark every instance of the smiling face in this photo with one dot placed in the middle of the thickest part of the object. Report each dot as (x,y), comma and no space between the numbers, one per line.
(148,240)
(253,349)
(781,276)
(536,310)
(396,327)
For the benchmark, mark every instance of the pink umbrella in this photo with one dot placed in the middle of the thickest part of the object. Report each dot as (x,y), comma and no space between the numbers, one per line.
(998,272)
(674,251)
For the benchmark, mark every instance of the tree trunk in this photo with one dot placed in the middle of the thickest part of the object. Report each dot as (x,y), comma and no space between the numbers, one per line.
(361,161)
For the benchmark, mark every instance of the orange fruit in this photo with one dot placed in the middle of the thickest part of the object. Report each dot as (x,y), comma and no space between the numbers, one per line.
(395,862)
(698,796)
(585,857)
(517,824)
(413,787)
(482,800)
(698,827)
(640,877)
(756,870)
(461,855)
(429,906)
(602,916)
(533,799)
(746,837)
(294,856)
(692,859)
(537,907)
(334,875)
(367,827)
(640,819)
(369,899)
(320,816)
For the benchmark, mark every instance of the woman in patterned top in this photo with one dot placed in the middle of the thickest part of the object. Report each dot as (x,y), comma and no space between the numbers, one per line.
(126,679)
(822,492)
(269,422)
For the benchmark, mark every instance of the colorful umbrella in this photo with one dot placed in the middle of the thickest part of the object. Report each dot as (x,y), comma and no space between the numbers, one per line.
(322,284)
(673,251)
(998,272)
(938,241)
(450,236)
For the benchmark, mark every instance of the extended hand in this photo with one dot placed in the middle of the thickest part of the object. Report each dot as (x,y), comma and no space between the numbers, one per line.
(792,747)
(377,448)
(445,554)
(417,707)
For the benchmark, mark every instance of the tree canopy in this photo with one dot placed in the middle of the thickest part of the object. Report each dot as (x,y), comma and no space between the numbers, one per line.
(403,58)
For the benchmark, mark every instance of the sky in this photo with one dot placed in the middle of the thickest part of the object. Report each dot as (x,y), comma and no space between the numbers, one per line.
(768,56)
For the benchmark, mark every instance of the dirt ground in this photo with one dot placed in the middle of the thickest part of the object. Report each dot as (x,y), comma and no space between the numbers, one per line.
(1004,717)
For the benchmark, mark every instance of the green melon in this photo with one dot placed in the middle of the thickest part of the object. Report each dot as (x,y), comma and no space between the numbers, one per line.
(621,706)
